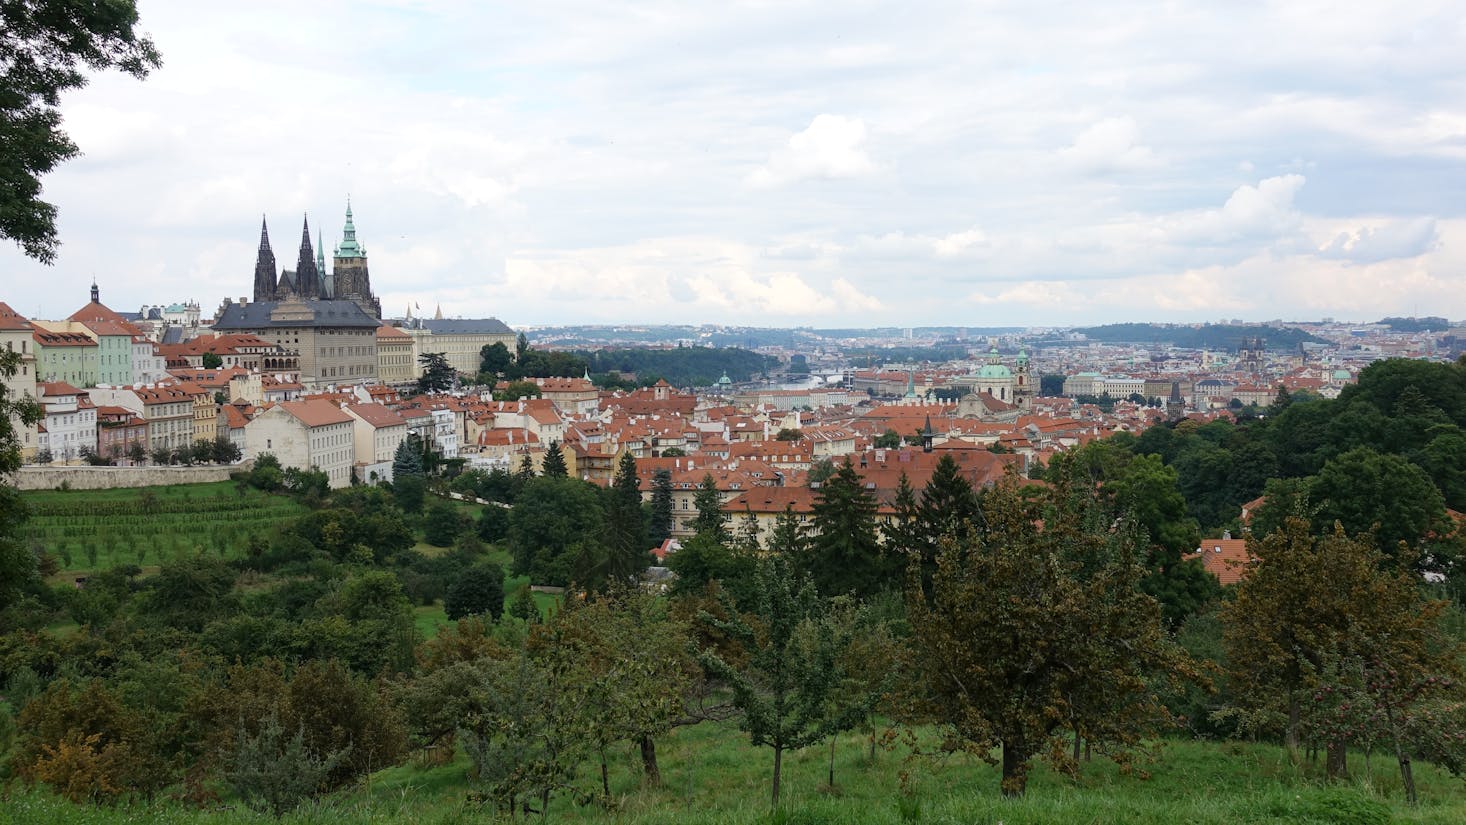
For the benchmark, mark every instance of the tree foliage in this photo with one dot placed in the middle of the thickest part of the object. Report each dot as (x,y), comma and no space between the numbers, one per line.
(44,48)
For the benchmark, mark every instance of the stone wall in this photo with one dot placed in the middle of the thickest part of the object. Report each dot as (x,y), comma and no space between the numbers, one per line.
(102,478)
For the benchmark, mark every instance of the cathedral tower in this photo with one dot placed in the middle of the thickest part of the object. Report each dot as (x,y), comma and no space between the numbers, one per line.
(264,267)
(350,279)
(307,278)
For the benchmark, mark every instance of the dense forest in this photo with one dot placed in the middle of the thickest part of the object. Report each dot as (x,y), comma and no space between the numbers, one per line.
(1207,336)
(1022,624)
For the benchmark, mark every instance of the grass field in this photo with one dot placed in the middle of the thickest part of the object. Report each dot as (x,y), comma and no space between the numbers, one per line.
(98,529)
(713,776)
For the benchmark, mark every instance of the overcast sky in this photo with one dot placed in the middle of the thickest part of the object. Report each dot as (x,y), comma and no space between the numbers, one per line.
(784,163)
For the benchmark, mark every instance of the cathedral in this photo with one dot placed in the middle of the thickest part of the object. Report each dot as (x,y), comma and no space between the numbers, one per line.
(347,280)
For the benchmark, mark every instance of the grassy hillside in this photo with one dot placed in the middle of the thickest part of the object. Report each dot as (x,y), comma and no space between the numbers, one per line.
(97,529)
(713,776)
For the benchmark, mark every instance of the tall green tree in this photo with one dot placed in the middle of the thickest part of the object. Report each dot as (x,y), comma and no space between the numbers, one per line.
(1146,492)
(845,554)
(1364,489)
(495,359)
(407,459)
(44,48)
(661,515)
(553,465)
(1029,633)
(626,525)
(437,374)
(787,682)
(556,532)
(710,522)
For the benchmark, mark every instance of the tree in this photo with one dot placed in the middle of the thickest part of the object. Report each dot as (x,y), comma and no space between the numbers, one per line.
(521,347)
(556,532)
(515,390)
(273,772)
(553,465)
(1029,632)
(437,374)
(43,47)
(845,555)
(626,525)
(948,507)
(410,491)
(789,434)
(477,590)
(407,459)
(495,358)
(710,522)
(1313,609)
(661,516)
(888,440)
(1363,489)
(212,361)
(442,524)
(224,451)
(793,667)
(17,563)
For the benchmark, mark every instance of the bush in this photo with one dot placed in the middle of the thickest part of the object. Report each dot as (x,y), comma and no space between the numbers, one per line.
(275,773)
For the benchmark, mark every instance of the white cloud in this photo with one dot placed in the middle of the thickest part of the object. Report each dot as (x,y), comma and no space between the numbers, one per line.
(1111,145)
(831,147)
(1386,241)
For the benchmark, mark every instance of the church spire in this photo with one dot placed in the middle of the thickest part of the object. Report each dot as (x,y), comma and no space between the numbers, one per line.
(264,266)
(349,248)
(96,293)
(307,278)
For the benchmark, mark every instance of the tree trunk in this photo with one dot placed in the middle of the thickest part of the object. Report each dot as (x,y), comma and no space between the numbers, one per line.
(1077,740)
(872,746)
(605,778)
(778,764)
(1336,762)
(1086,750)
(649,761)
(1015,771)
(832,762)
(1290,735)
(1407,776)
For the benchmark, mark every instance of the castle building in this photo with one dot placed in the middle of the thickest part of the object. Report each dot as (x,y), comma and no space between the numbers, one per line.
(310,280)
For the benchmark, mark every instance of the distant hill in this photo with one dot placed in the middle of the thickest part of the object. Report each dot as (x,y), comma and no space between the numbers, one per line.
(1431,323)
(1207,336)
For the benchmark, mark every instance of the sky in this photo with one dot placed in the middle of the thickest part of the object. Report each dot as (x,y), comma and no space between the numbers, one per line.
(783,163)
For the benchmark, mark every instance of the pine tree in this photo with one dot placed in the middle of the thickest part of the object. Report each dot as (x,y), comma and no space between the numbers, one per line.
(711,522)
(526,469)
(661,527)
(845,555)
(554,464)
(626,533)
(788,538)
(407,460)
(748,533)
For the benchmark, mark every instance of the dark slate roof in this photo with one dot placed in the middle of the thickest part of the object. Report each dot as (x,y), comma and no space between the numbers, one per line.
(467,326)
(172,335)
(256,315)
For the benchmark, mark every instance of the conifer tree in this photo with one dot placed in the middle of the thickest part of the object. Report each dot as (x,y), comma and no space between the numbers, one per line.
(845,555)
(626,533)
(788,538)
(554,464)
(710,522)
(407,460)
(661,526)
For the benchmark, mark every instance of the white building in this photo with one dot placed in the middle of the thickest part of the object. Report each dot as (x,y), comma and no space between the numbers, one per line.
(377,432)
(306,434)
(70,427)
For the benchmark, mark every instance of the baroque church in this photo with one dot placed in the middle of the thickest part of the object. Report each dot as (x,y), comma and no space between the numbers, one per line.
(347,280)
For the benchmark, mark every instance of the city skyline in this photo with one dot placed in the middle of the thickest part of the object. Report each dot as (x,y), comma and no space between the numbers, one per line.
(790,165)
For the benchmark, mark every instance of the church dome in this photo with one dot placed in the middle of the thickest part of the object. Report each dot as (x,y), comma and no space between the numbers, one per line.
(994,371)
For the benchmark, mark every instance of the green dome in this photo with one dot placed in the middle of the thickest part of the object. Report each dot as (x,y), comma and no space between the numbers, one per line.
(1341,375)
(994,371)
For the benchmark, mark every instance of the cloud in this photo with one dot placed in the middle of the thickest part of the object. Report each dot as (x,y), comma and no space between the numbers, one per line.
(830,148)
(1391,240)
(1108,146)
(1260,212)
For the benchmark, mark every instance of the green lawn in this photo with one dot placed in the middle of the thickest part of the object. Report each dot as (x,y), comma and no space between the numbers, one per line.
(712,776)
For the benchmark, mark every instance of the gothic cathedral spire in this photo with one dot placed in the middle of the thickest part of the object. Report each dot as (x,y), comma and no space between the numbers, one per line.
(307,278)
(264,267)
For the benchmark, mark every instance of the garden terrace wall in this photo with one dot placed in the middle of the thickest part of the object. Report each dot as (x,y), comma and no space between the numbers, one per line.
(105,478)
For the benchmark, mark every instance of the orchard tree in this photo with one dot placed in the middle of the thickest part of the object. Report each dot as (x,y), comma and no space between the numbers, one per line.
(1032,631)
(786,685)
